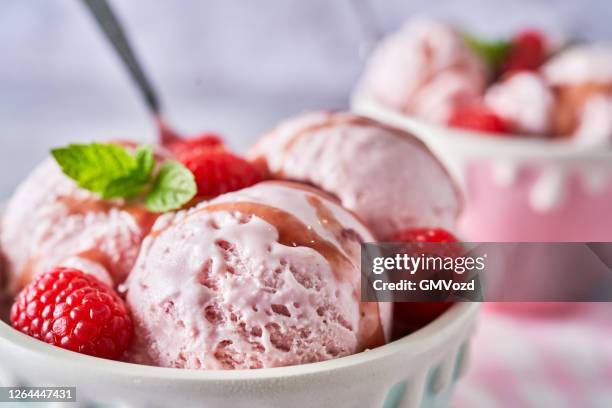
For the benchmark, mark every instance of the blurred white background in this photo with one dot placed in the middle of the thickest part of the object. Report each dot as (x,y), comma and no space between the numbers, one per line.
(232,66)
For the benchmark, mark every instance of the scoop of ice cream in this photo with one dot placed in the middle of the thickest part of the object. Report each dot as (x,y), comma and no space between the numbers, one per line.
(437,101)
(267,276)
(590,63)
(387,177)
(595,122)
(426,60)
(524,101)
(51,222)
(576,75)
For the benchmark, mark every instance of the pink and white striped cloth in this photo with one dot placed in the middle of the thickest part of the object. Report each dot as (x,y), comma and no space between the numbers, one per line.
(559,360)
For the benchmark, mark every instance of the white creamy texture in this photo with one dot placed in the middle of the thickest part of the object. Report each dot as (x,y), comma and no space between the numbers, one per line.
(525,101)
(49,221)
(407,63)
(443,94)
(595,124)
(218,289)
(387,177)
(580,64)
(91,267)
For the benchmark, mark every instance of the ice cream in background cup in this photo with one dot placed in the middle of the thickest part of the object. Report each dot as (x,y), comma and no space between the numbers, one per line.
(533,153)
(424,68)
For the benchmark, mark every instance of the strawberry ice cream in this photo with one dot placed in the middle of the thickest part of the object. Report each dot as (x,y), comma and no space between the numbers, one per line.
(385,176)
(50,221)
(264,277)
(425,62)
(524,101)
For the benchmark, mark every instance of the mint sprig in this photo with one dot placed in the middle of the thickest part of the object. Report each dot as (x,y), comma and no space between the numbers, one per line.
(493,52)
(112,171)
(173,187)
(95,166)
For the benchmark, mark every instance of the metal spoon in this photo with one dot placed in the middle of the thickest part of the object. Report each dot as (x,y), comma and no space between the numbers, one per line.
(114,32)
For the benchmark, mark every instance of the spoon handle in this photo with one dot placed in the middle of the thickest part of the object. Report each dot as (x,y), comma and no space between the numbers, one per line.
(114,32)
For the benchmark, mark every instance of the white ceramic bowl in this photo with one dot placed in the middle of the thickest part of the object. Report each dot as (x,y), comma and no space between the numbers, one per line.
(418,370)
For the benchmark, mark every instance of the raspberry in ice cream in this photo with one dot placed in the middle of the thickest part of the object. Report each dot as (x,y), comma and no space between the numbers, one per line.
(267,276)
(217,171)
(425,69)
(529,49)
(74,310)
(51,222)
(478,117)
(387,177)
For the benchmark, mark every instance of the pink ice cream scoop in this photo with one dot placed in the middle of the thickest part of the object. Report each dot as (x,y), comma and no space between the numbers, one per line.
(425,69)
(386,176)
(524,101)
(51,222)
(264,277)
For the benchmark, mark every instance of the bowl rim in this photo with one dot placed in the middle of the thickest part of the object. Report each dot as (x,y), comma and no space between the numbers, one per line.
(471,145)
(420,341)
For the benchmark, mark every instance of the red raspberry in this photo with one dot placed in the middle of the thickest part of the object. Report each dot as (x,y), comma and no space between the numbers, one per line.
(424,235)
(478,117)
(411,316)
(528,52)
(218,171)
(195,145)
(73,310)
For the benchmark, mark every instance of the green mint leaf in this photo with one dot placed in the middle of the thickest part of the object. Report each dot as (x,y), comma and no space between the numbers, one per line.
(113,172)
(173,187)
(136,180)
(94,166)
(124,187)
(493,52)
(145,162)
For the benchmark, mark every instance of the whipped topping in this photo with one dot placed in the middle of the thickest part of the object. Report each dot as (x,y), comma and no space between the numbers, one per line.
(590,63)
(525,101)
